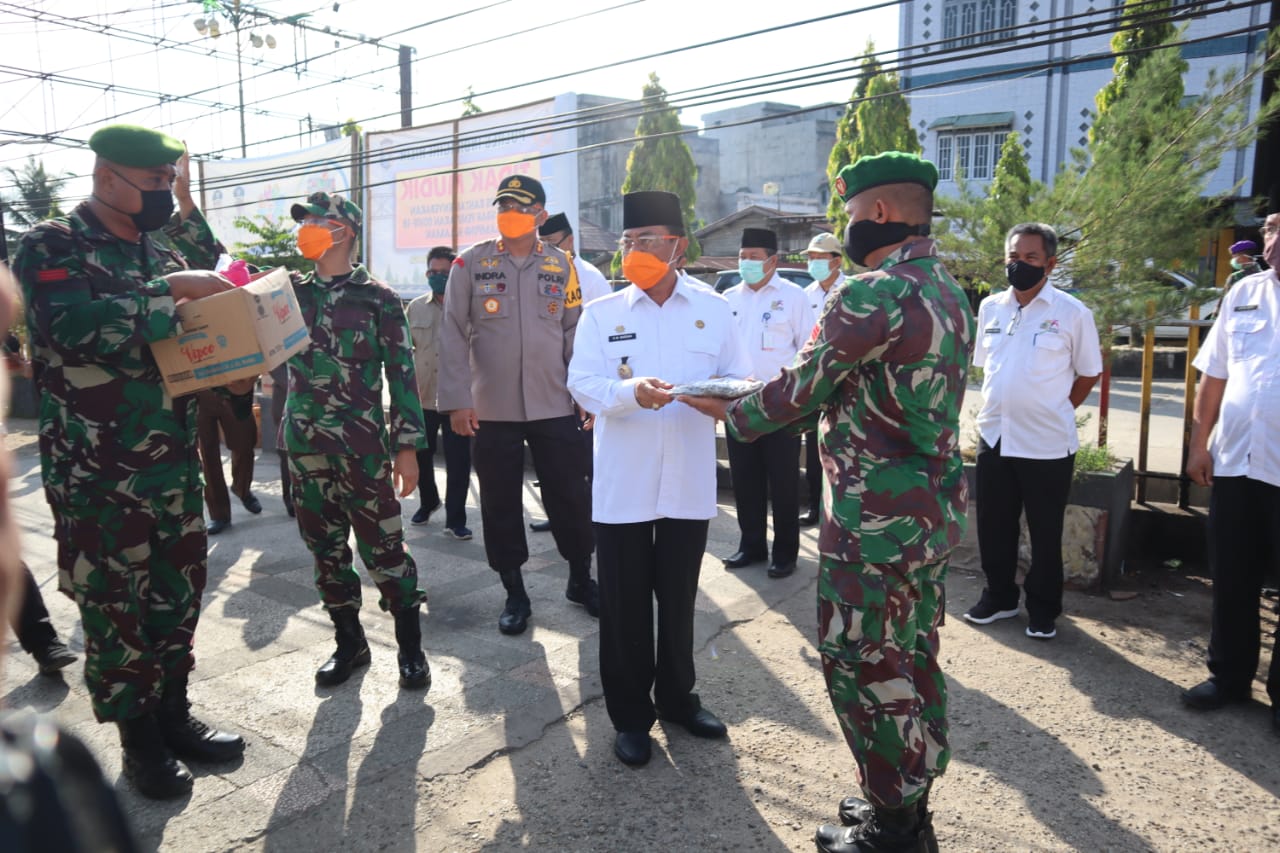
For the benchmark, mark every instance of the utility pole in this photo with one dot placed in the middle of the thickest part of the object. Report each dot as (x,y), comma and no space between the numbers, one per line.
(406,87)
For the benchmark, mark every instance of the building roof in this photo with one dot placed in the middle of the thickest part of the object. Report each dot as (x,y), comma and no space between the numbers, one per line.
(593,238)
(792,219)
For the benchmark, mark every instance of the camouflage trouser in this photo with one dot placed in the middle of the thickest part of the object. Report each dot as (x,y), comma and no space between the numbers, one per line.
(332,495)
(878,636)
(137,572)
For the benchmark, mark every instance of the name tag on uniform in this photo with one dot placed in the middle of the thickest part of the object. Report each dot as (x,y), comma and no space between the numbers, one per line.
(994,329)
(1245,308)
(629,336)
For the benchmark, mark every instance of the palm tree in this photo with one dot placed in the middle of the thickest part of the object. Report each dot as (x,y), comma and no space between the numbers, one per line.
(36,198)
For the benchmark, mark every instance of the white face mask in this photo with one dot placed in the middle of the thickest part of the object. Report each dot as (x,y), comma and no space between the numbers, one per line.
(820,268)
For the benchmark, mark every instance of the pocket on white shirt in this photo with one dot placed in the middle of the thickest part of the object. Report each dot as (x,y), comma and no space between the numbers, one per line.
(1246,338)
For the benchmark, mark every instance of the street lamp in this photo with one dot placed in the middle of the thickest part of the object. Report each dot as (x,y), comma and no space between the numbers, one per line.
(211,27)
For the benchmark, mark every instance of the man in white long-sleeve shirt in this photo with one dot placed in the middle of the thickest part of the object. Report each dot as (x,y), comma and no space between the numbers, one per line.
(654,491)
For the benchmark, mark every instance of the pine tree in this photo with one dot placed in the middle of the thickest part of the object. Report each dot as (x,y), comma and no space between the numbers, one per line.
(1132,46)
(881,122)
(661,160)
(847,134)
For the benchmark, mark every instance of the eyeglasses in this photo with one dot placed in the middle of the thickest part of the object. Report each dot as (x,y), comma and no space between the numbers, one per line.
(506,206)
(647,243)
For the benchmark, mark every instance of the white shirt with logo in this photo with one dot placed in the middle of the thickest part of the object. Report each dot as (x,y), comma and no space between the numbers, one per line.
(653,464)
(774,322)
(1243,347)
(1031,356)
(818,296)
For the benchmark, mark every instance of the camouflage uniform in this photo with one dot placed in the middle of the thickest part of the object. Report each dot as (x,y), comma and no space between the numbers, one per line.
(336,435)
(887,368)
(117,453)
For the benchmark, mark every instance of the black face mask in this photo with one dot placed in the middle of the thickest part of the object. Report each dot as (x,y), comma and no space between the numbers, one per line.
(863,237)
(157,207)
(1022,275)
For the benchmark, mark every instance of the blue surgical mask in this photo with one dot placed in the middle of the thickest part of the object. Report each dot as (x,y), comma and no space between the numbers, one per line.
(752,272)
(820,268)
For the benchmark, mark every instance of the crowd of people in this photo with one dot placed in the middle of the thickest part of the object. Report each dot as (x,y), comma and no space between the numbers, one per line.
(520,343)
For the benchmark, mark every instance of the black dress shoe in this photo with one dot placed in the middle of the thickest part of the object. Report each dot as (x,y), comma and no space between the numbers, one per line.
(251,503)
(633,748)
(809,518)
(741,559)
(216,526)
(782,570)
(540,526)
(515,616)
(1210,696)
(703,723)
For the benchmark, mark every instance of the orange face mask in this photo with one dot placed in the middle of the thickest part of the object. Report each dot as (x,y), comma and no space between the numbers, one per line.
(513,224)
(643,269)
(314,241)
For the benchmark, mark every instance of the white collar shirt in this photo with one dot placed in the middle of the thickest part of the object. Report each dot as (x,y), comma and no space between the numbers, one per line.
(591,280)
(1031,356)
(818,297)
(774,322)
(1243,347)
(653,464)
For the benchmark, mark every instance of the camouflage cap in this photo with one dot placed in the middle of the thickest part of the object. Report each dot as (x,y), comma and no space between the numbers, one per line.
(137,147)
(521,188)
(330,207)
(891,167)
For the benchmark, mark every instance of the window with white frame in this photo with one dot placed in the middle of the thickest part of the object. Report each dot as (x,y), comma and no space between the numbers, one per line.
(971,151)
(969,22)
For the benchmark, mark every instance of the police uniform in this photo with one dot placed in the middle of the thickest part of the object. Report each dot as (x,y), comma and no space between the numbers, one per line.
(119,463)
(774,322)
(508,335)
(886,373)
(651,518)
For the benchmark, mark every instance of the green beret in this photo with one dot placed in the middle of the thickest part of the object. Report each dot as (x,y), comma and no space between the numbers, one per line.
(130,145)
(891,167)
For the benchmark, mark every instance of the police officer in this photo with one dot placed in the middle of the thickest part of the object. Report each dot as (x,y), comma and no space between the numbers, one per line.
(774,320)
(511,307)
(887,369)
(651,519)
(117,453)
(347,467)
(825,256)
(230,410)
(558,232)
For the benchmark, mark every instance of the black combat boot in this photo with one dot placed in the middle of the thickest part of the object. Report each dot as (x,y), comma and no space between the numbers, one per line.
(515,616)
(415,674)
(582,589)
(888,831)
(352,651)
(188,737)
(148,765)
(855,810)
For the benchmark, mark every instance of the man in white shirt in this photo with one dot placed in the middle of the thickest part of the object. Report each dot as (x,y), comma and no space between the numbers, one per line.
(1039,351)
(1239,393)
(825,257)
(558,232)
(774,320)
(654,491)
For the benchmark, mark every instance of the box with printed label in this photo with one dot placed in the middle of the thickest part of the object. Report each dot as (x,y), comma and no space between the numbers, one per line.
(233,335)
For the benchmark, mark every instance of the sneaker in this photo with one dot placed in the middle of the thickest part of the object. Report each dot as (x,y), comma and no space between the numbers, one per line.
(423,515)
(1042,630)
(984,612)
(462,533)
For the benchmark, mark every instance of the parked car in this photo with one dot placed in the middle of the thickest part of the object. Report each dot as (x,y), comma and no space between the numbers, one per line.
(1191,292)
(728,278)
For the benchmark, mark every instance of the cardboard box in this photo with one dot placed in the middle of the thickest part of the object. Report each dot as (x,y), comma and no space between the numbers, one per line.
(233,335)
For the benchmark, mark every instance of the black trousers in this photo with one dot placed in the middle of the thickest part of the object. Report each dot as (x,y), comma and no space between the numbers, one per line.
(813,470)
(31,623)
(457,468)
(1244,547)
(1008,485)
(767,471)
(637,563)
(498,456)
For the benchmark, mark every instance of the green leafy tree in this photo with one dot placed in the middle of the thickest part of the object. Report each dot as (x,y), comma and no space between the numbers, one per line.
(35,198)
(847,135)
(1132,45)
(276,244)
(469,106)
(351,128)
(881,122)
(661,160)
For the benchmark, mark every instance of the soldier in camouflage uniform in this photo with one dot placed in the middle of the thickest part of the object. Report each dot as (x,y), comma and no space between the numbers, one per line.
(886,372)
(343,472)
(117,453)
